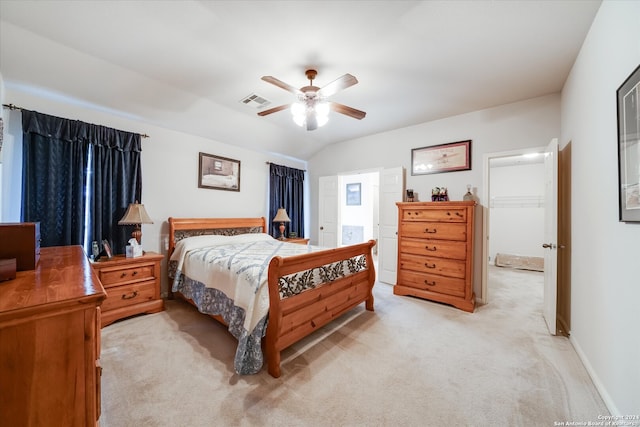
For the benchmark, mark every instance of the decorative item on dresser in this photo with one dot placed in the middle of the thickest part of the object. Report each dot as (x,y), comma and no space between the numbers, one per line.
(50,342)
(132,286)
(435,252)
(24,246)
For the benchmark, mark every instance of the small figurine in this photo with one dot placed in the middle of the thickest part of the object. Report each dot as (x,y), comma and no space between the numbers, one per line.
(435,194)
(444,194)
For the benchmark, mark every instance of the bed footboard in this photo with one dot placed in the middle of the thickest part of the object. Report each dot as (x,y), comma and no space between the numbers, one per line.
(293,317)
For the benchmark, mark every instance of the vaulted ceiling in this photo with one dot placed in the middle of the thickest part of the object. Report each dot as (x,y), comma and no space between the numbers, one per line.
(186,65)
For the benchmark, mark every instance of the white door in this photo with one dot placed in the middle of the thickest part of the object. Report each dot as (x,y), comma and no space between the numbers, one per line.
(328,211)
(391,191)
(550,244)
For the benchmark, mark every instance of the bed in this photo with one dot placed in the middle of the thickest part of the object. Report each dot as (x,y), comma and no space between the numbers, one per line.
(269,293)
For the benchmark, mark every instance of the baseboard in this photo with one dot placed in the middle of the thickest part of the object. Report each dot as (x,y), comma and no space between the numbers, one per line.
(594,377)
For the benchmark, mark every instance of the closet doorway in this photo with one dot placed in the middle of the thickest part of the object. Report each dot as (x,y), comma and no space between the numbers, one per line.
(514,222)
(515,213)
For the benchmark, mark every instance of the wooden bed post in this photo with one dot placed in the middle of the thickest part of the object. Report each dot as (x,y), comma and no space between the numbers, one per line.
(272,352)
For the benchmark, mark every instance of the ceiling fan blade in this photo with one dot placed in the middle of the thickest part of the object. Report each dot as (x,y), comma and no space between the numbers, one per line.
(351,112)
(312,121)
(337,85)
(274,110)
(281,84)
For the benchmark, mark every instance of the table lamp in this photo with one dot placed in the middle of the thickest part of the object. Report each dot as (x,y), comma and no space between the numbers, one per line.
(281,217)
(136,215)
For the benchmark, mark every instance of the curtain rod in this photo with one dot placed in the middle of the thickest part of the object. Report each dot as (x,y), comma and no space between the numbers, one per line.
(14,107)
(271,163)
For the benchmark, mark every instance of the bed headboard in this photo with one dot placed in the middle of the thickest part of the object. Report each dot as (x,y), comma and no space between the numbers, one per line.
(180,228)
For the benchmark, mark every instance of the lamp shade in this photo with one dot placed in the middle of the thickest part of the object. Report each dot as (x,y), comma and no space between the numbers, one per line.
(281,216)
(135,214)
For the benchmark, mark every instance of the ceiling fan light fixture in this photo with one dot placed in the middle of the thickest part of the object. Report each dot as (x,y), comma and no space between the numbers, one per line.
(320,110)
(311,109)
(299,113)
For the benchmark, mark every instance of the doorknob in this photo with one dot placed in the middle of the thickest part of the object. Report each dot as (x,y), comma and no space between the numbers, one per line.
(321,228)
(548,246)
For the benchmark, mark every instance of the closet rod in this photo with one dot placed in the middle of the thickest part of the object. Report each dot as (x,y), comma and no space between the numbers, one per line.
(14,107)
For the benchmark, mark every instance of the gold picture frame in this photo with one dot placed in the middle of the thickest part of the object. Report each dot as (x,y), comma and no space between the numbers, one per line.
(451,157)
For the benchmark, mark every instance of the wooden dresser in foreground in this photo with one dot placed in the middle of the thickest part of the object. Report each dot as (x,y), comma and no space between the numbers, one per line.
(132,286)
(50,342)
(435,252)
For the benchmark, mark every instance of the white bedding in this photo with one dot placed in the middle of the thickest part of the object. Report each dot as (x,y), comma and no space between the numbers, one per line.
(235,265)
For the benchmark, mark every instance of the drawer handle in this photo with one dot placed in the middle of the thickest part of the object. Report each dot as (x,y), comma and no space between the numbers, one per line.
(132,295)
(459,214)
(431,231)
(433,249)
(428,283)
(429,265)
(123,275)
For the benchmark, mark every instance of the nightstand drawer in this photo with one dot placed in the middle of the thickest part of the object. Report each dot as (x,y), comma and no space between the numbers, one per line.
(119,276)
(132,285)
(125,295)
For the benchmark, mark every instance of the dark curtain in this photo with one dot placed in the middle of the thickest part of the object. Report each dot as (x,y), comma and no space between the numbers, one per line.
(286,187)
(78,178)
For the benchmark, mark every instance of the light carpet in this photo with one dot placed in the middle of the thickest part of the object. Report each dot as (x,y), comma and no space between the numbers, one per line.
(409,363)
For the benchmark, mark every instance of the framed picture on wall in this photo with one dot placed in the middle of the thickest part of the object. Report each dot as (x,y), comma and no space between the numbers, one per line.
(629,148)
(218,173)
(354,195)
(454,156)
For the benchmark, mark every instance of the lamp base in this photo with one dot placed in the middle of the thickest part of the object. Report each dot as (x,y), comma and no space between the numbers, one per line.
(282,231)
(137,234)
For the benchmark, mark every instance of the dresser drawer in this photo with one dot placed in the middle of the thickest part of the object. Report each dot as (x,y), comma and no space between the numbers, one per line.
(122,275)
(434,248)
(444,215)
(440,266)
(432,282)
(125,295)
(434,230)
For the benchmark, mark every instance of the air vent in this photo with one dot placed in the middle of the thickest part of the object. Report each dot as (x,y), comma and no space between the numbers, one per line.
(255,101)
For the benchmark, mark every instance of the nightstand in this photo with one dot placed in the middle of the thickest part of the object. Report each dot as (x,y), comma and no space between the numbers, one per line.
(298,240)
(132,286)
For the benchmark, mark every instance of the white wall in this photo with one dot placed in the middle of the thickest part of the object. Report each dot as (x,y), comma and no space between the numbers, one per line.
(605,315)
(531,123)
(516,217)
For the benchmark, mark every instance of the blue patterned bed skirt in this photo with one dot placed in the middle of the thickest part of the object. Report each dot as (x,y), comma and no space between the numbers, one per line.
(249,358)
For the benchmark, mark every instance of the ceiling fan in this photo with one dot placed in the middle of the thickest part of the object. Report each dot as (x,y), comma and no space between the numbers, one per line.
(312,108)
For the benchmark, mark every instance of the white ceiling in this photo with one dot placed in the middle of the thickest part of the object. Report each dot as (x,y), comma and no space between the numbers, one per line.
(185,65)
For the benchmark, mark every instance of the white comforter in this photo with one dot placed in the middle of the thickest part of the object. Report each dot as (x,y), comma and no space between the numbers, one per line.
(235,265)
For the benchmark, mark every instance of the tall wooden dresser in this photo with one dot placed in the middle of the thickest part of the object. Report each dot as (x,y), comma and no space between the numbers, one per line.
(50,342)
(435,252)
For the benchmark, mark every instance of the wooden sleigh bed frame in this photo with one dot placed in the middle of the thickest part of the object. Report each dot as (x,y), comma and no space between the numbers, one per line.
(292,318)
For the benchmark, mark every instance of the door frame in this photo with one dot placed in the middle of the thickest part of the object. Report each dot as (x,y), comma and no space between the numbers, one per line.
(484,297)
